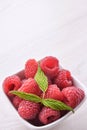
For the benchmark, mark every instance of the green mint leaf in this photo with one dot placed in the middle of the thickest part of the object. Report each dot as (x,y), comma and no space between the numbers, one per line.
(56,105)
(41,79)
(27,96)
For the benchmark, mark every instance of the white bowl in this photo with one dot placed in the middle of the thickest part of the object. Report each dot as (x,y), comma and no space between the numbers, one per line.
(51,125)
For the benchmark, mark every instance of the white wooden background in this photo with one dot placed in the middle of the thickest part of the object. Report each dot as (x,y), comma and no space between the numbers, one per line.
(36,28)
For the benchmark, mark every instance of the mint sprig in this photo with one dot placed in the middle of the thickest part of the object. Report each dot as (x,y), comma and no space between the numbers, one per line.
(27,96)
(41,79)
(52,103)
(56,105)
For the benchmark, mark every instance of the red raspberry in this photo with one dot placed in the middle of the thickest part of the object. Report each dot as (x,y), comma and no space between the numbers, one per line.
(30,86)
(11,83)
(73,96)
(50,66)
(16,101)
(28,110)
(31,67)
(63,79)
(54,92)
(48,115)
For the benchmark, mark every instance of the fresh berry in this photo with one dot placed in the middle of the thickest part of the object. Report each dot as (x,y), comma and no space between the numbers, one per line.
(63,79)
(73,96)
(11,83)
(16,101)
(31,67)
(28,110)
(30,86)
(54,92)
(48,115)
(50,66)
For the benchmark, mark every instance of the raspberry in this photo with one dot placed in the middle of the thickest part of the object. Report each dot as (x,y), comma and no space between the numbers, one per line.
(54,92)
(31,67)
(73,96)
(48,115)
(11,83)
(28,110)
(30,86)
(50,66)
(16,101)
(63,79)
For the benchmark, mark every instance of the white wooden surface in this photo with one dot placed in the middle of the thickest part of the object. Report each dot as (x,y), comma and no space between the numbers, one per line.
(36,28)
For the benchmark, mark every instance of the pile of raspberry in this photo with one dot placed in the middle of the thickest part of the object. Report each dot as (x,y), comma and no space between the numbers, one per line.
(60,87)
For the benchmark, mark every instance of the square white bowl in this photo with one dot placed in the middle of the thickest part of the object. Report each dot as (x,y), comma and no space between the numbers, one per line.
(77,83)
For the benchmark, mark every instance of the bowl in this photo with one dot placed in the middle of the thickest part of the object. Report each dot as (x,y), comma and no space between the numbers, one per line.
(76,82)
